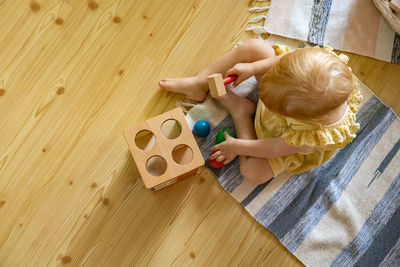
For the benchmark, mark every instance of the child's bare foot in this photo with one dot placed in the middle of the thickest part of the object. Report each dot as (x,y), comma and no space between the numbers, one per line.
(237,105)
(194,88)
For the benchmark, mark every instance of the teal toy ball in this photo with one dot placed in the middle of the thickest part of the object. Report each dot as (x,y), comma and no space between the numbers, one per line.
(201,128)
(220,136)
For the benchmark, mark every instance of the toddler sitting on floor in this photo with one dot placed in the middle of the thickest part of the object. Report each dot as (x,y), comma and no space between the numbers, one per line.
(308,99)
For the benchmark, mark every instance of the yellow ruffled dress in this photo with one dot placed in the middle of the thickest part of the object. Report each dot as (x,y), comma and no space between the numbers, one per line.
(323,141)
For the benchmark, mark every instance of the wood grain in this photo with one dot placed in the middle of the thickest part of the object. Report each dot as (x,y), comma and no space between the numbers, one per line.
(73,75)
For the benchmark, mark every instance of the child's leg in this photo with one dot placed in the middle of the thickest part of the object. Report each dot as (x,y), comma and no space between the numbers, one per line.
(254,170)
(196,87)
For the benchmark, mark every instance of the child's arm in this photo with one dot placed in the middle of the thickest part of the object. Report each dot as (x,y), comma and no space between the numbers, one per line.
(245,70)
(266,148)
(262,66)
(259,148)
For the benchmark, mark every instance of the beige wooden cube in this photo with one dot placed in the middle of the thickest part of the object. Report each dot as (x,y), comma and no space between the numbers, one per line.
(164,149)
(216,85)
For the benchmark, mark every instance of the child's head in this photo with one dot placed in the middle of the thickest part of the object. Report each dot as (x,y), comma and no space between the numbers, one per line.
(307,84)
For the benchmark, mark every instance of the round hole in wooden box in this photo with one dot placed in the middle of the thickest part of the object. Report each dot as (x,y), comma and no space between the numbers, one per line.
(182,154)
(171,129)
(156,165)
(145,140)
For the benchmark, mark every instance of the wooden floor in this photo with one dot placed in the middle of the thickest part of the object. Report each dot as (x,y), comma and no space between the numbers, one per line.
(73,75)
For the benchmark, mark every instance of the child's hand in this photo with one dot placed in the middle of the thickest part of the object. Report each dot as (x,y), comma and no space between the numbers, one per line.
(225,151)
(242,70)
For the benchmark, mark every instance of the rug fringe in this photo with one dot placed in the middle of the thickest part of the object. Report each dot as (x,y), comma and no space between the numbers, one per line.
(257,30)
(186,105)
(258,9)
(238,44)
(256,19)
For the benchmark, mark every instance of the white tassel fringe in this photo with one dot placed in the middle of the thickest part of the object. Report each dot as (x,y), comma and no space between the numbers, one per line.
(256,19)
(257,30)
(186,105)
(258,9)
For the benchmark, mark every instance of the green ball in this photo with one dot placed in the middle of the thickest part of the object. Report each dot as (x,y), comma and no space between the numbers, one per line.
(220,136)
(179,126)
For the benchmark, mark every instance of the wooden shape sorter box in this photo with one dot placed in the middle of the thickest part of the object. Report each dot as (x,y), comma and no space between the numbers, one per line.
(164,149)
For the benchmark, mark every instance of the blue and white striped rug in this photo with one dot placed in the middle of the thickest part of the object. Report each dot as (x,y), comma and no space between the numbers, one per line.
(343,213)
(355,26)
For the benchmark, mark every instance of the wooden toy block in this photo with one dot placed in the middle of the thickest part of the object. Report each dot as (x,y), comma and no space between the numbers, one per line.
(395,5)
(216,85)
(164,149)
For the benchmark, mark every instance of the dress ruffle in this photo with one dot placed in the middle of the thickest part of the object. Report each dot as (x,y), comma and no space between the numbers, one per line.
(355,98)
(280,124)
(336,135)
(281,49)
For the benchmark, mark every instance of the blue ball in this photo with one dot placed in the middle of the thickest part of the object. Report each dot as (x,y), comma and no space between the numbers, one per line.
(201,128)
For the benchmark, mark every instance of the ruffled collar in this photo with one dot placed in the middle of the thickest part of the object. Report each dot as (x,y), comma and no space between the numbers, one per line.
(299,133)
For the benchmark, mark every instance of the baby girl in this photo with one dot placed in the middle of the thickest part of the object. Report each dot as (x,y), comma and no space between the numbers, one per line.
(308,99)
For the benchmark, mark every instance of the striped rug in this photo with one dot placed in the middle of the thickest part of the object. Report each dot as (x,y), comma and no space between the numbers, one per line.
(343,213)
(349,25)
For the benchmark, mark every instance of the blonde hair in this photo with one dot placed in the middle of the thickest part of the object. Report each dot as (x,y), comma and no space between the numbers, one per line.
(307,84)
